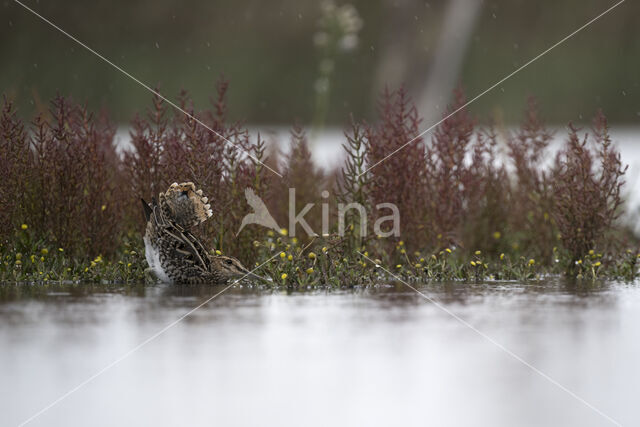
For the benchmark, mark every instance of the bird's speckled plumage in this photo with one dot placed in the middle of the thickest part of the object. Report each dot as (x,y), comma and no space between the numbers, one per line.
(173,253)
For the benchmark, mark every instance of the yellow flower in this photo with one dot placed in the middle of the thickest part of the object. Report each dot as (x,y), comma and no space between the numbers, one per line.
(532,261)
(93,263)
(473,263)
(86,269)
(579,261)
(309,270)
(24,226)
(418,265)
(218,252)
(324,249)
(597,264)
(18,256)
(270,233)
(416,253)
(282,255)
(42,258)
(129,264)
(448,250)
(284,276)
(496,235)
(290,257)
(400,243)
(478,252)
(18,262)
(366,253)
(60,250)
(313,255)
(402,251)
(284,231)
(44,251)
(33,258)
(294,240)
(434,257)
(501,256)
(421,259)
(103,207)
(256,244)
(591,252)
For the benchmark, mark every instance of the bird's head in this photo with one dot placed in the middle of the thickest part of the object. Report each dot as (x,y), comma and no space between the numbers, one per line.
(186,205)
(230,268)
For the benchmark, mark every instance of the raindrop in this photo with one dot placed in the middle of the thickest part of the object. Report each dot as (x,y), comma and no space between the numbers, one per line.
(494,15)
(10,23)
(35,65)
(208,44)
(624,93)
(209,67)
(157,45)
(299,16)
(501,88)
(372,48)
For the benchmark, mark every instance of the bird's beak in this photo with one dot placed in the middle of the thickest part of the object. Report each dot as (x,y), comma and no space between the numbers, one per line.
(255,276)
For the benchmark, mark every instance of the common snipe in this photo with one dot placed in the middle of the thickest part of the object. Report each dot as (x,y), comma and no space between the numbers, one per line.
(173,253)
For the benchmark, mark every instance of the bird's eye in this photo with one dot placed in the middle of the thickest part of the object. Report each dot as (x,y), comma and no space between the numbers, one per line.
(229,262)
(184,194)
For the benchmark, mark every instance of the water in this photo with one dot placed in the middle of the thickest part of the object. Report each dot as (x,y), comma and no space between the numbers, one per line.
(381,356)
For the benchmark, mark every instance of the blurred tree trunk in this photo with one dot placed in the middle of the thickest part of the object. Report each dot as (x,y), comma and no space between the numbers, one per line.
(459,20)
(423,47)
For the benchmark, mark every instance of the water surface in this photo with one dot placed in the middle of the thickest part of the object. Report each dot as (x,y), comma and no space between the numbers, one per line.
(378,356)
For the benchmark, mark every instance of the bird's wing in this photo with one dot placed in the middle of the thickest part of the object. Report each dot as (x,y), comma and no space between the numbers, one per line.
(188,246)
(146,209)
(179,240)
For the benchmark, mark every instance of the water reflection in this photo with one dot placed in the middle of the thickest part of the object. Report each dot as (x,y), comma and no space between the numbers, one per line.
(376,356)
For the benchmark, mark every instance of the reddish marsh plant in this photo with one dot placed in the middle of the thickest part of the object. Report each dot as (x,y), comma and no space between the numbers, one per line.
(15,167)
(532,195)
(64,178)
(399,178)
(451,182)
(587,183)
(218,157)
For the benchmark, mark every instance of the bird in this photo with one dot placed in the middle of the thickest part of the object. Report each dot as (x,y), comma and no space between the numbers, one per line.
(260,216)
(173,253)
